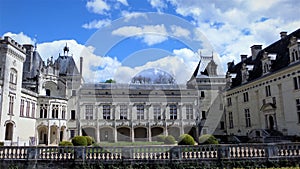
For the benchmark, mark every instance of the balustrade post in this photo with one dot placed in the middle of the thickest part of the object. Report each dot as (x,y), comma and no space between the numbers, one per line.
(175,153)
(127,153)
(79,153)
(32,153)
(270,150)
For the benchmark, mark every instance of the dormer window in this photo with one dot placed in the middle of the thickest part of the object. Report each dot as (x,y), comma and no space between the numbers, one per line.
(294,48)
(267,62)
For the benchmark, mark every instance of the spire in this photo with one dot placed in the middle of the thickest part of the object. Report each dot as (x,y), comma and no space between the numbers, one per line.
(66,49)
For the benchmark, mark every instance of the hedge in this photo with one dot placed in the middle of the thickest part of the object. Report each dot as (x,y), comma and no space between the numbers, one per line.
(169,140)
(79,141)
(65,143)
(186,139)
(208,139)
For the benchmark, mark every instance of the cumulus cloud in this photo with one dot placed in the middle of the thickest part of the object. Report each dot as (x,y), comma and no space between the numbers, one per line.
(158,4)
(234,26)
(20,38)
(150,34)
(96,24)
(132,15)
(179,31)
(97,6)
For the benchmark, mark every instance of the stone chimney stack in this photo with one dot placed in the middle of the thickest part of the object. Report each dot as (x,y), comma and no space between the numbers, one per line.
(81,60)
(243,58)
(255,49)
(283,34)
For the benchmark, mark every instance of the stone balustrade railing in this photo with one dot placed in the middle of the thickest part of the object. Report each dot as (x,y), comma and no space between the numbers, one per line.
(159,154)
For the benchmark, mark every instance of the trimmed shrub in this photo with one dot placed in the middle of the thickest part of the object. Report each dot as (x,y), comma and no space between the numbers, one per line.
(90,140)
(161,138)
(169,140)
(65,143)
(208,139)
(79,141)
(186,139)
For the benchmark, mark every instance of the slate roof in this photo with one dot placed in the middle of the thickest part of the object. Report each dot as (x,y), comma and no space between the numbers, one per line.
(280,48)
(66,65)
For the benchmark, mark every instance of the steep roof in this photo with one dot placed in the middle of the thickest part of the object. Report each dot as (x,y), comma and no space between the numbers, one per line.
(66,65)
(280,48)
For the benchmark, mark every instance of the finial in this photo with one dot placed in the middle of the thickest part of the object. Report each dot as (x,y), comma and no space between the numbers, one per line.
(35,42)
(66,49)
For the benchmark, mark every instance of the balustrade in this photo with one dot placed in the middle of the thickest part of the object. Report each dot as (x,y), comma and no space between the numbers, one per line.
(158,153)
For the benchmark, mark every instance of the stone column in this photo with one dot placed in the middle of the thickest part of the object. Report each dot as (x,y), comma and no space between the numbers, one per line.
(132,133)
(149,132)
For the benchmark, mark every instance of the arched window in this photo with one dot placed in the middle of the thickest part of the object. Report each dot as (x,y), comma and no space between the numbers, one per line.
(9,131)
(48,92)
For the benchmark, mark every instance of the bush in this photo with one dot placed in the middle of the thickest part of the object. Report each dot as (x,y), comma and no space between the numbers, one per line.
(65,143)
(90,140)
(1,143)
(169,140)
(186,139)
(161,138)
(79,141)
(208,139)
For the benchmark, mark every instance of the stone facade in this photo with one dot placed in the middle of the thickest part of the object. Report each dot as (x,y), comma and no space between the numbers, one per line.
(43,103)
(262,95)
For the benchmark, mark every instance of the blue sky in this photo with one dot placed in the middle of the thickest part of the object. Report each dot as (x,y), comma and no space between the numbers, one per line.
(120,38)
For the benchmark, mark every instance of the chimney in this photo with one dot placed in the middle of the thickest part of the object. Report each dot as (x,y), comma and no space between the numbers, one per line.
(255,50)
(283,34)
(81,60)
(243,58)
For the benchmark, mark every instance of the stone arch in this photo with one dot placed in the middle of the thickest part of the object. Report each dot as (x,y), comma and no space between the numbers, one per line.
(50,88)
(54,134)
(89,131)
(174,131)
(155,131)
(140,134)
(106,134)
(123,134)
(9,131)
(43,135)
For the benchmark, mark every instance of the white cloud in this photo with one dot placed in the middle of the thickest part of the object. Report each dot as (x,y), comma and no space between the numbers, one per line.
(178,31)
(132,15)
(124,2)
(234,26)
(97,6)
(21,38)
(95,68)
(158,4)
(150,34)
(97,24)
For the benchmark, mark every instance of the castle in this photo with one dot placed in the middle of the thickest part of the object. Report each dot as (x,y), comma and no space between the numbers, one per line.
(43,103)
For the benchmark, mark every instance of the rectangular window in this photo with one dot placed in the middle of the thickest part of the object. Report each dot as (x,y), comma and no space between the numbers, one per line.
(89,112)
(43,111)
(222,125)
(72,133)
(106,112)
(189,112)
(202,94)
(248,118)
(203,113)
(63,112)
(73,114)
(297,82)
(140,112)
(32,109)
(55,111)
(246,97)
(27,108)
(173,112)
(157,112)
(298,109)
(230,118)
(123,112)
(229,103)
(73,92)
(11,105)
(268,90)
(22,107)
